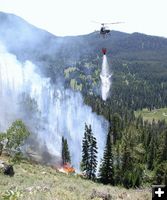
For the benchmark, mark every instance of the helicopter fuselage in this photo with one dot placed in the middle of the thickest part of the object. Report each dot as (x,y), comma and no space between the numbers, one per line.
(104,31)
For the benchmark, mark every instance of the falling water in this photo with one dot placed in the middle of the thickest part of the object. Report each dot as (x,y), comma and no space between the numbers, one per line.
(105,79)
(50,112)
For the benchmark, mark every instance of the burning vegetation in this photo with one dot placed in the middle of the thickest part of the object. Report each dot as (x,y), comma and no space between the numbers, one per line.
(67,168)
(66,159)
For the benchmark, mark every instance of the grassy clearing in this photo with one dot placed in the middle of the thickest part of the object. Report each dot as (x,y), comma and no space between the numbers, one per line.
(36,182)
(157,114)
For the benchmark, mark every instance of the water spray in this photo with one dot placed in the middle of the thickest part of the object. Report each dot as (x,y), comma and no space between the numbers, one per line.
(105,76)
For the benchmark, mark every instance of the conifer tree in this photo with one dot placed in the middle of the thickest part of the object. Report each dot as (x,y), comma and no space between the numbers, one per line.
(131,173)
(116,127)
(162,148)
(106,172)
(85,151)
(127,149)
(65,152)
(93,155)
(151,154)
(117,167)
(164,153)
(89,153)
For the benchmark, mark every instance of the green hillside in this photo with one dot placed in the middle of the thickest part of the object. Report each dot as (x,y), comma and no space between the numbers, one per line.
(36,182)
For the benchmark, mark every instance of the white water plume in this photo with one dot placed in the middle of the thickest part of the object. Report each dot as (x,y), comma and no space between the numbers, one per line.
(105,79)
(49,112)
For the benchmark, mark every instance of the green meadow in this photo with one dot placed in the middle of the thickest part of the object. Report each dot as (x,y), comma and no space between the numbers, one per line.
(157,114)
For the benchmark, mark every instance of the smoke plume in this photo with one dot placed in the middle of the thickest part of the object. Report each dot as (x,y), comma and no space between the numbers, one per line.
(49,111)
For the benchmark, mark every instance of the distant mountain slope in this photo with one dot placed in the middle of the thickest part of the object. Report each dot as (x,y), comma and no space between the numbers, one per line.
(137,59)
(29,42)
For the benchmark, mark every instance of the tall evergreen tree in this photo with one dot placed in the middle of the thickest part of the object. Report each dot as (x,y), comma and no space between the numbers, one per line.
(89,153)
(85,151)
(132,154)
(127,149)
(151,154)
(106,171)
(164,153)
(65,152)
(116,127)
(117,167)
(93,155)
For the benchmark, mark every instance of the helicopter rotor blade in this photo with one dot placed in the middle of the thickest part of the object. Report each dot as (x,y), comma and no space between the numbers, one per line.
(97,22)
(114,23)
(107,23)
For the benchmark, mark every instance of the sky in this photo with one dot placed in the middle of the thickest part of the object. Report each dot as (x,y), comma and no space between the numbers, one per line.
(75,17)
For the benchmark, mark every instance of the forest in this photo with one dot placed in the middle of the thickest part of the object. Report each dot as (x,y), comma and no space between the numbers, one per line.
(135,152)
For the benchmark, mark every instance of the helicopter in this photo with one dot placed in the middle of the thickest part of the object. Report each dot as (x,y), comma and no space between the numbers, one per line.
(104,30)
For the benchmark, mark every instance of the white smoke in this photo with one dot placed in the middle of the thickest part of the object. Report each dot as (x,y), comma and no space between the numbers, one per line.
(50,112)
(105,79)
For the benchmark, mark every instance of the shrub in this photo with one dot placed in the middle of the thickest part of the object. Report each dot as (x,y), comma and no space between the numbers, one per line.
(11,195)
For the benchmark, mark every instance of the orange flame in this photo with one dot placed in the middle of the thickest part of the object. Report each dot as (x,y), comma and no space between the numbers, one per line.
(67,169)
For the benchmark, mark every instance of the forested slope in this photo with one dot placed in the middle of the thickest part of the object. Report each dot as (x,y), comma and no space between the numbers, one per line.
(138,61)
(139,67)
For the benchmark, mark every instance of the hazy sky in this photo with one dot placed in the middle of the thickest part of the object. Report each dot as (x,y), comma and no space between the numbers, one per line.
(73,17)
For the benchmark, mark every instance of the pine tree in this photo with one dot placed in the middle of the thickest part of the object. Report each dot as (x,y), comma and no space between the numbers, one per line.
(93,155)
(127,149)
(89,153)
(151,154)
(164,153)
(106,172)
(131,173)
(65,152)
(85,151)
(117,167)
(116,127)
